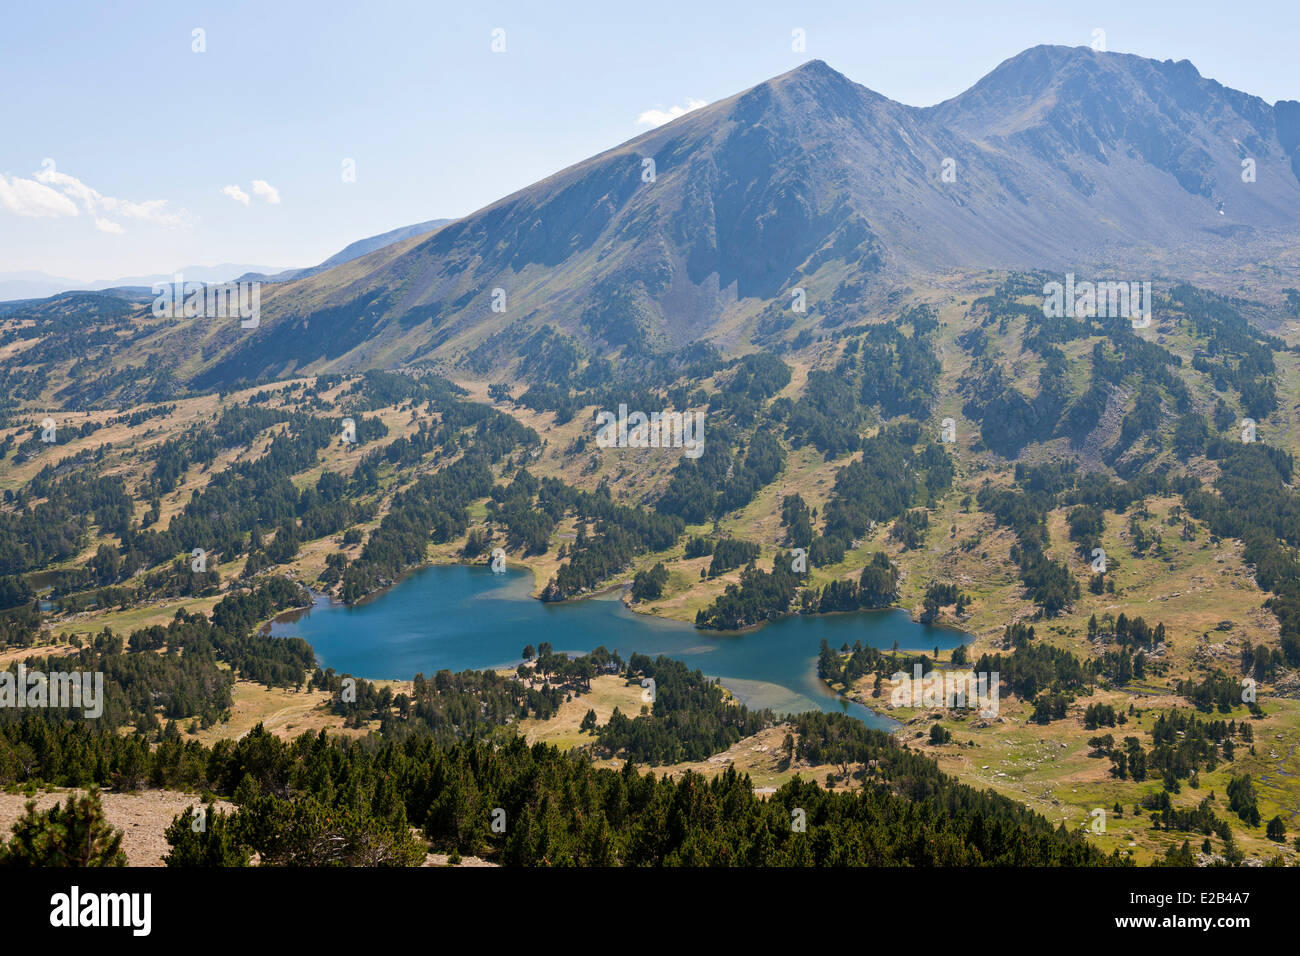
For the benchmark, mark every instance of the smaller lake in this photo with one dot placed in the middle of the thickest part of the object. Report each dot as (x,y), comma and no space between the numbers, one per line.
(464,617)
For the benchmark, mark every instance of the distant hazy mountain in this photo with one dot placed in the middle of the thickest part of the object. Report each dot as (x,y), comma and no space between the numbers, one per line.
(352,251)
(39,285)
(85,307)
(32,285)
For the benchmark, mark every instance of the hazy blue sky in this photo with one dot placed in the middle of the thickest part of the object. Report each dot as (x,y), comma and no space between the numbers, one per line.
(438,124)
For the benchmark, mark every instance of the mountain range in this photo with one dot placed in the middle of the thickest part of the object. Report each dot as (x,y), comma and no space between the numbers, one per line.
(1061,158)
(349,252)
(38,285)
(30,284)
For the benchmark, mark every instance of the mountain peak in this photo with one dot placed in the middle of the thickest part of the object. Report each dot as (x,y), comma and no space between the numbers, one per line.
(1060,158)
(815,69)
(815,76)
(817,82)
(1051,66)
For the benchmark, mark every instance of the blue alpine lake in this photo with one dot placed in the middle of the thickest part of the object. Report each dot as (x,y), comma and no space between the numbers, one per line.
(462,617)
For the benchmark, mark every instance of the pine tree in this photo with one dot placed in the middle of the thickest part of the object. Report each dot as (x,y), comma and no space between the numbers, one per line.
(74,834)
(205,837)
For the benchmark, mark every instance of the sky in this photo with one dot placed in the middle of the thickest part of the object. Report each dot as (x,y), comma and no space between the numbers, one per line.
(141,138)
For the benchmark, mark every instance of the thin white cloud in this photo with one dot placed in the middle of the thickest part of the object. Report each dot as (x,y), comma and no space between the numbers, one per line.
(152,210)
(237,194)
(268,192)
(107,225)
(658,116)
(26,197)
(98,205)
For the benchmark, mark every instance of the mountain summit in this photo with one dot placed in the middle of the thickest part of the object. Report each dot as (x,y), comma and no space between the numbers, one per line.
(1060,158)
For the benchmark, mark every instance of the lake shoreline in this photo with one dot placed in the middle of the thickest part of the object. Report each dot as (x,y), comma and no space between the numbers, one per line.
(483,620)
(625,587)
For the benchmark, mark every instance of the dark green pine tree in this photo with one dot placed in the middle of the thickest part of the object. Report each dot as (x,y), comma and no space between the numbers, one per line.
(205,838)
(74,834)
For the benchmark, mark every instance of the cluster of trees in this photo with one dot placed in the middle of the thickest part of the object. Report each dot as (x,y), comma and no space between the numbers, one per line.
(528,526)
(910,528)
(760,596)
(721,479)
(184,682)
(697,546)
(245,498)
(322,801)
(1183,744)
(450,706)
(71,834)
(558,810)
(1262,661)
(54,529)
(941,594)
(1242,799)
(236,427)
(570,674)
(826,414)
(1047,581)
(890,477)
(850,664)
(876,587)
(690,717)
(1024,509)
(620,534)
(1099,715)
(900,373)
(881,372)
(1034,667)
(1010,420)
(797,519)
(1215,690)
(381,389)
(21,625)
(1235,356)
(1126,632)
(1198,819)
(172,672)
(1129,761)
(649,585)
(432,508)
(763,596)
(731,553)
(1255,503)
